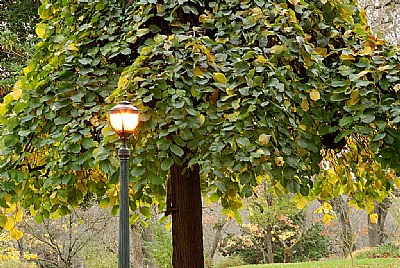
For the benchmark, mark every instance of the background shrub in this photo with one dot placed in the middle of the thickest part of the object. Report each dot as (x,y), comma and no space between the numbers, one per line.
(388,250)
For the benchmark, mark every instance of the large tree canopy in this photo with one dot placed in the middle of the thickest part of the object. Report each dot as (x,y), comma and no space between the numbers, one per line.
(243,89)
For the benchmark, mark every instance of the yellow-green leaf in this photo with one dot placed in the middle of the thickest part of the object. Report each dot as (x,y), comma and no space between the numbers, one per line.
(327,218)
(197,71)
(314,95)
(264,139)
(41,30)
(354,97)
(16,234)
(277,49)
(279,161)
(374,218)
(300,201)
(19,215)
(9,224)
(304,105)
(220,78)
(72,47)
(3,109)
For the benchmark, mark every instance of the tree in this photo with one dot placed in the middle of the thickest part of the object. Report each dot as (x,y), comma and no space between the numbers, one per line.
(383,17)
(17,24)
(228,90)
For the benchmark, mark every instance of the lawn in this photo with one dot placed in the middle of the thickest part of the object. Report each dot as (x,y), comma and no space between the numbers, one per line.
(346,263)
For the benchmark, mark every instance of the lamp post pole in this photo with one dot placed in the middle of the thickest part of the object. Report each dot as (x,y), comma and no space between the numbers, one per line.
(124,118)
(124,241)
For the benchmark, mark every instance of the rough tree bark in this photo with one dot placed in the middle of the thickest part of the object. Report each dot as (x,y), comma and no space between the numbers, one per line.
(376,231)
(346,236)
(268,238)
(218,227)
(187,230)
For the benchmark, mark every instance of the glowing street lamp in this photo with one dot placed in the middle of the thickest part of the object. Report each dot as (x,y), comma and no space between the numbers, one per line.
(124,119)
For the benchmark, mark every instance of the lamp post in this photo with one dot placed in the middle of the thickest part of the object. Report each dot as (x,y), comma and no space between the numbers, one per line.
(124,118)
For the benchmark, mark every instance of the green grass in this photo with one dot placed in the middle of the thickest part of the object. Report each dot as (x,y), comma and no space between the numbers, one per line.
(342,263)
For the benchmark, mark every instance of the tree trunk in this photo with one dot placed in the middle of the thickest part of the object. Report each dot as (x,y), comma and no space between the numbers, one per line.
(346,237)
(268,238)
(270,251)
(187,229)
(287,255)
(218,227)
(376,231)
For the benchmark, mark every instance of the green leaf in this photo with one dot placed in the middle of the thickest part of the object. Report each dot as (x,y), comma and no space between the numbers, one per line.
(176,150)
(163,144)
(85,61)
(214,197)
(145,211)
(138,171)
(221,186)
(379,136)
(167,163)
(342,135)
(367,118)
(345,121)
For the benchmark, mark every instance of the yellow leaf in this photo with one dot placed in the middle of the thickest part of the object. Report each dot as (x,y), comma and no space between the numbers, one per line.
(347,33)
(16,234)
(220,78)
(72,47)
(362,73)
(7,197)
(369,206)
(123,82)
(314,95)
(9,224)
(365,51)
(303,127)
(264,139)
(347,57)
(19,215)
(29,68)
(396,87)
(304,105)
(321,51)
(279,161)
(278,49)
(327,218)
(374,218)
(202,119)
(300,201)
(261,59)
(160,8)
(41,30)
(397,181)
(111,192)
(197,71)
(17,93)
(327,206)
(354,97)
(383,68)
(3,109)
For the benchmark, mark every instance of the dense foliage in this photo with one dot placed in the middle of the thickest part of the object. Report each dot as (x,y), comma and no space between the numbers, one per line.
(17,24)
(242,88)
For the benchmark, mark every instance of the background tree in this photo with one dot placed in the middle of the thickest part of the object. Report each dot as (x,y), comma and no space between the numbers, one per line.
(228,91)
(277,231)
(383,16)
(17,37)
